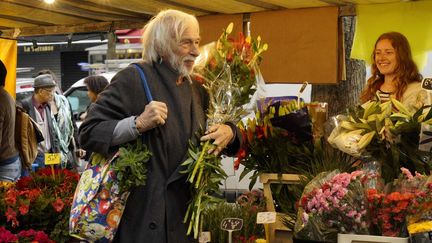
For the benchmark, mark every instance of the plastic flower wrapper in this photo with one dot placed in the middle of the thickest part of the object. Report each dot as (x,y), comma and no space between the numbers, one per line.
(387,131)
(332,203)
(419,218)
(291,115)
(390,208)
(265,149)
(228,71)
(297,123)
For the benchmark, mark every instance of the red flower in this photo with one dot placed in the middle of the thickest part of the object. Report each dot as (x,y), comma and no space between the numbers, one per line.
(11,216)
(23,209)
(46,171)
(27,233)
(11,197)
(7,236)
(33,194)
(24,182)
(229,57)
(240,155)
(199,79)
(41,237)
(58,205)
(239,42)
(260,131)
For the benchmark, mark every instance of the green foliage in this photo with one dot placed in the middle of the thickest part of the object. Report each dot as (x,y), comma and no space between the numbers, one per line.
(130,167)
(246,208)
(205,174)
(213,217)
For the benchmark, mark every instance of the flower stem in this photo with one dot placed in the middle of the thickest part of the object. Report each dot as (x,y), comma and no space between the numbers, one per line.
(198,182)
(199,161)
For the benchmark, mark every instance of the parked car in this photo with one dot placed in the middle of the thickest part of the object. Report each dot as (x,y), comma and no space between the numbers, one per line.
(24,88)
(77,96)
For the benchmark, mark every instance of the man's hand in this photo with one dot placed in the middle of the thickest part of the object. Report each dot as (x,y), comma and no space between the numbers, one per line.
(221,134)
(154,114)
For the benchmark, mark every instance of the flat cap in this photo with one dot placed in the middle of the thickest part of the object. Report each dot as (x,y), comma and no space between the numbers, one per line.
(44,81)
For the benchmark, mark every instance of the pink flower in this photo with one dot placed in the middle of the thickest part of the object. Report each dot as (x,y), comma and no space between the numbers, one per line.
(351,213)
(407,173)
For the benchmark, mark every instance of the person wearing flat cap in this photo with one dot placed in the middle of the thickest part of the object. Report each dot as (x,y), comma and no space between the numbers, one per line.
(37,106)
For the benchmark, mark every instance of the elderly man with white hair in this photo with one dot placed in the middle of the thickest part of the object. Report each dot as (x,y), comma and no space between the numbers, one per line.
(124,112)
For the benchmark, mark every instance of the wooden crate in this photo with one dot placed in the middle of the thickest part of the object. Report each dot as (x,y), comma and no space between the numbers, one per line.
(267,180)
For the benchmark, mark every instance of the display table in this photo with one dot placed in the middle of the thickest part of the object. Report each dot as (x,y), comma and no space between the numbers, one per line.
(267,179)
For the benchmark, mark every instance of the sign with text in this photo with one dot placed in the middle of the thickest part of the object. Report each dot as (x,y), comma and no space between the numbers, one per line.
(204,237)
(52,158)
(232,224)
(427,83)
(266,217)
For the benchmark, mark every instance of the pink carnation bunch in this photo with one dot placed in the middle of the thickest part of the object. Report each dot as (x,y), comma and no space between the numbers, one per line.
(333,203)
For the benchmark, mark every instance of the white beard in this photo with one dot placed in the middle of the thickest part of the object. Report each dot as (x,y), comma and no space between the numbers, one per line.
(178,64)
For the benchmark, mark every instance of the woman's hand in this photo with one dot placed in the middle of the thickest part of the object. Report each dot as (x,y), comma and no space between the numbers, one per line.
(154,114)
(221,134)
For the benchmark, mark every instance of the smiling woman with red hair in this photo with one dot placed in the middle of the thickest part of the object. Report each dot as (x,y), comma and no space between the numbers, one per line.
(394,73)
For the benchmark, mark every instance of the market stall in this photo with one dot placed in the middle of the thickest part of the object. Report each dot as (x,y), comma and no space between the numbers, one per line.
(330,180)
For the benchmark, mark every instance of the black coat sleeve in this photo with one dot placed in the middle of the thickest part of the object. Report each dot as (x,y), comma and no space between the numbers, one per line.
(124,97)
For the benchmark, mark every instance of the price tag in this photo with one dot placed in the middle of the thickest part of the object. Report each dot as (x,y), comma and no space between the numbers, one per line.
(52,158)
(427,83)
(204,237)
(232,224)
(266,217)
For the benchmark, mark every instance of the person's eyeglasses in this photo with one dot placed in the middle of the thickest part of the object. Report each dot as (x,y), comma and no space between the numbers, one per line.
(49,90)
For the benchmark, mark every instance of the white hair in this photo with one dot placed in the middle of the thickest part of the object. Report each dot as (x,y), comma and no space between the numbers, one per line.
(164,31)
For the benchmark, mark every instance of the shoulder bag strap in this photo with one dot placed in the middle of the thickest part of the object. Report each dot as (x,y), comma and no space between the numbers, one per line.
(144,82)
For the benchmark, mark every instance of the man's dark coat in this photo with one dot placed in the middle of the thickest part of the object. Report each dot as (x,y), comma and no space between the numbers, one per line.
(154,212)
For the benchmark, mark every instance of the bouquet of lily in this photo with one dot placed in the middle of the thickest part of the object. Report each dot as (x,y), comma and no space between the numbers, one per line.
(387,131)
(228,71)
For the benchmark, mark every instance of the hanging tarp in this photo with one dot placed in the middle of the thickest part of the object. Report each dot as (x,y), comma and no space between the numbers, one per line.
(413,19)
(8,55)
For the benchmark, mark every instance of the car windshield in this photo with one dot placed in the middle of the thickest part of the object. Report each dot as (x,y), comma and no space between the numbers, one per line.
(78,100)
(22,95)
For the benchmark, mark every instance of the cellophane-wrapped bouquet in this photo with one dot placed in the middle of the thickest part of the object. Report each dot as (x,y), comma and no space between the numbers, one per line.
(387,131)
(229,72)
(403,208)
(419,219)
(266,147)
(332,203)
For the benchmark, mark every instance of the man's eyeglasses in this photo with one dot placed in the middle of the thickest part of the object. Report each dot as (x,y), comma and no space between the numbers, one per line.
(49,90)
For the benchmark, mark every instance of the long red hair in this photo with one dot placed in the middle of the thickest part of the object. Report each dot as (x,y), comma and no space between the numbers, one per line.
(406,69)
